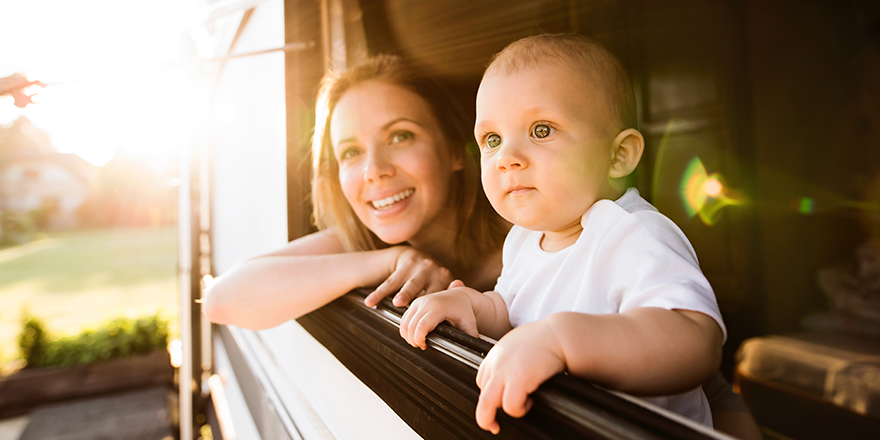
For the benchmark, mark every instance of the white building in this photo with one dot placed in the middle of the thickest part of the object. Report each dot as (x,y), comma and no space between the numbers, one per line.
(30,182)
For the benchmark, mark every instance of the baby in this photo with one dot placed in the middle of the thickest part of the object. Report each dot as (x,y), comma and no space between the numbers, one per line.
(596,282)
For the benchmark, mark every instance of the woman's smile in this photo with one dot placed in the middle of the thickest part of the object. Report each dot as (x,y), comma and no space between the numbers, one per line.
(388,202)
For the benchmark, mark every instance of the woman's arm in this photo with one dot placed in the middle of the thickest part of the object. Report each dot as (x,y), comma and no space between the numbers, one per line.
(304,275)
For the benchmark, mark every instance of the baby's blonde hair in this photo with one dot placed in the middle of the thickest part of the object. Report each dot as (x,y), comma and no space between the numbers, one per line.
(480,231)
(579,54)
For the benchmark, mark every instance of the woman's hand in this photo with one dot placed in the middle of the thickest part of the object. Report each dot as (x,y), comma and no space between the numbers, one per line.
(413,272)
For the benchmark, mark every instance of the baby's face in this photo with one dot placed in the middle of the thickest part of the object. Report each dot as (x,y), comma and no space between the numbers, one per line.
(544,152)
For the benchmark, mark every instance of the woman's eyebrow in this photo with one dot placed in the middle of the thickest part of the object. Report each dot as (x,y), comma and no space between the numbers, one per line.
(344,141)
(394,121)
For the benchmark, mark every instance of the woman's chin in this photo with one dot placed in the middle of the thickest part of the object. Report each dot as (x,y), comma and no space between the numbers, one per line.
(392,240)
(393,234)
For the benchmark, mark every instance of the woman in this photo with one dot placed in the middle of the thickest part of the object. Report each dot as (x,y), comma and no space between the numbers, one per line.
(397,199)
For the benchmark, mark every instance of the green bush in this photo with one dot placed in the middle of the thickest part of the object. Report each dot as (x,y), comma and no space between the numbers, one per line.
(118,338)
(15,227)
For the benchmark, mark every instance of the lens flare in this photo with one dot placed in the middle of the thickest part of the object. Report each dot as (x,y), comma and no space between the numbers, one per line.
(713,187)
(805,205)
(706,194)
(693,187)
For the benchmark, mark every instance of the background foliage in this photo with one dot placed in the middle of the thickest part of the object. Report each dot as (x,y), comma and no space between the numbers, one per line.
(117,338)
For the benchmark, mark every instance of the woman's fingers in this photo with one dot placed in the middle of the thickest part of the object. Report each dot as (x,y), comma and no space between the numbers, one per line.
(428,278)
(394,283)
(410,290)
(387,287)
(414,273)
(440,278)
(435,284)
(373,298)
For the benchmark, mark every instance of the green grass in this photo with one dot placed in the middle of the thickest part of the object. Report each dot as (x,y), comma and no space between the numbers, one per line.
(75,280)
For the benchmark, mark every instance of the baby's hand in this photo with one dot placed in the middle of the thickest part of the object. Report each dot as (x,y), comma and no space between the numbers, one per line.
(520,362)
(426,312)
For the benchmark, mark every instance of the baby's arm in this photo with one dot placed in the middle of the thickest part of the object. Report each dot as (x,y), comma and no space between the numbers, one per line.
(644,351)
(466,309)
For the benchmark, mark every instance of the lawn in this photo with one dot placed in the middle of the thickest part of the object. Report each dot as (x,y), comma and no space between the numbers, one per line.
(75,280)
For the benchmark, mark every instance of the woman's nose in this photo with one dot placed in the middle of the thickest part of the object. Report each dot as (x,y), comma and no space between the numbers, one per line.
(379,165)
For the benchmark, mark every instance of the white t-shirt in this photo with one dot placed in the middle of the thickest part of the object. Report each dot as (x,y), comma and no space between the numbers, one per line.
(629,255)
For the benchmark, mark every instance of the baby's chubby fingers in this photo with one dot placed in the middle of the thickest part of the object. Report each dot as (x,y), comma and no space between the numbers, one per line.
(408,322)
(426,323)
(516,401)
(487,406)
(417,322)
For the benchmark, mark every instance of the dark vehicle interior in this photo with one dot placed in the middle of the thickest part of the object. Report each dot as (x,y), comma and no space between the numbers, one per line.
(762,122)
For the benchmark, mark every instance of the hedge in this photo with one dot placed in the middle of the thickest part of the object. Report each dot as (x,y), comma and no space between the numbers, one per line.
(116,338)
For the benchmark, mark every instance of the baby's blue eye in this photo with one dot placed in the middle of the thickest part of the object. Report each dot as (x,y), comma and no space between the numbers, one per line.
(493,141)
(541,131)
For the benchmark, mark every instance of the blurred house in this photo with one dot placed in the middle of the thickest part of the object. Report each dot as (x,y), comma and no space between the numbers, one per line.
(51,186)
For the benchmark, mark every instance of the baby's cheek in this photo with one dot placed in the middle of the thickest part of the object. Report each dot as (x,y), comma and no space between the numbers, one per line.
(493,193)
(489,182)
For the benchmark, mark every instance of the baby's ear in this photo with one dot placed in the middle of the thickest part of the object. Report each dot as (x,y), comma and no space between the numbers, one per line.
(628,148)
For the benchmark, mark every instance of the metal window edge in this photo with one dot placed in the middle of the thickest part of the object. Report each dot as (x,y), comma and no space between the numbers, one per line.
(433,391)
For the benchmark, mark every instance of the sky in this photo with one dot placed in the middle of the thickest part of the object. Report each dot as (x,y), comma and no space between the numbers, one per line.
(110,65)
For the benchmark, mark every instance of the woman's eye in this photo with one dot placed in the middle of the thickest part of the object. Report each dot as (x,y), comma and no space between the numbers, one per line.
(348,153)
(493,141)
(400,136)
(541,131)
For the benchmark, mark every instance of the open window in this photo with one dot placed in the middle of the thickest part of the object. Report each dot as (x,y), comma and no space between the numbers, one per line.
(711,92)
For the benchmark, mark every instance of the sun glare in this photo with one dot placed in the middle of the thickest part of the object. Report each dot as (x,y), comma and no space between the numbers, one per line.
(112,83)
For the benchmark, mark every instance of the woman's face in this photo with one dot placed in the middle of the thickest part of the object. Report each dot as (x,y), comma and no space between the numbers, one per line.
(394,168)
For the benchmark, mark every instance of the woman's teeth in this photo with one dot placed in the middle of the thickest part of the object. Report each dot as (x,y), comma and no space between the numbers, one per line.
(388,201)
